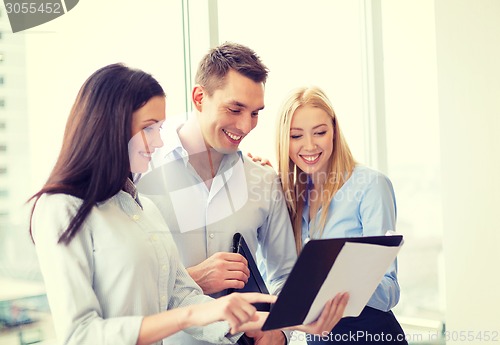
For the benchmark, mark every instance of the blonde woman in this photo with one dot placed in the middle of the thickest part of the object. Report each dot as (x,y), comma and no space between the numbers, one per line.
(329,195)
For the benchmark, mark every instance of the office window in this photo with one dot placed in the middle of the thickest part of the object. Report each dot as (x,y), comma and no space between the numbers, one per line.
(52,94)
(336,73)
(415,178)
(412,128)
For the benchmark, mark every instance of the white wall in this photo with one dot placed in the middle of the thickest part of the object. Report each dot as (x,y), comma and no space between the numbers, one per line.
(468,55)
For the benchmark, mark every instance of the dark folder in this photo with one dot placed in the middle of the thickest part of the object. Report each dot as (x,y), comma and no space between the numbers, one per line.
(255,282)
(309,274)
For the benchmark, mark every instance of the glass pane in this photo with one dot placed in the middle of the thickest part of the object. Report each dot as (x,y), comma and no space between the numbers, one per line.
(413,152)
(50,62)
(42,70)
(302,43)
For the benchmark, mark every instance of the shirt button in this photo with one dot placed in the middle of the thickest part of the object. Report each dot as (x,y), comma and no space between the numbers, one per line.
(135,217)
(164,267)
(211,235)
(154,237)
(163,299)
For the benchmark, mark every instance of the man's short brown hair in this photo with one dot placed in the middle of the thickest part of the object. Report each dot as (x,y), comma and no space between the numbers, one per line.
(218,61)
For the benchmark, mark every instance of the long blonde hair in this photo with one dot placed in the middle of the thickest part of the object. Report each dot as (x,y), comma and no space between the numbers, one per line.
(293,179)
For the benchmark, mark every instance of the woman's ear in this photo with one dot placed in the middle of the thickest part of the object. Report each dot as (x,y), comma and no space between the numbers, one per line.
(197,97)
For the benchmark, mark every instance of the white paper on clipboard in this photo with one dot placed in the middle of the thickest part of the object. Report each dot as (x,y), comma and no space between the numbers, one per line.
(371,262)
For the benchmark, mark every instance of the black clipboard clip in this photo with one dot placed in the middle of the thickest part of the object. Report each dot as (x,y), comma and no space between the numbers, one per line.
(255,281)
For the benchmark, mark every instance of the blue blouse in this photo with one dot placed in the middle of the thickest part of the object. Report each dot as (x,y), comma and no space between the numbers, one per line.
(364,206)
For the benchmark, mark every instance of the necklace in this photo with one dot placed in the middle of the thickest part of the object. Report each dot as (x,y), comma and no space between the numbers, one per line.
(212,170)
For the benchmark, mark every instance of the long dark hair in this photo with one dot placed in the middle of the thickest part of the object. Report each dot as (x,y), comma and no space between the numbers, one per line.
(93,164)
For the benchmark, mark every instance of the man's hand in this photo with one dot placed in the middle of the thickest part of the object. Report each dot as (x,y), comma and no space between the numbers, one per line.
(275,337)
(260,160)
(221,271)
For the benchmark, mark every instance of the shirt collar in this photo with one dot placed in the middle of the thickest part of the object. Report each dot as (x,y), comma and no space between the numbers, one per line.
(131,189)
(173,149)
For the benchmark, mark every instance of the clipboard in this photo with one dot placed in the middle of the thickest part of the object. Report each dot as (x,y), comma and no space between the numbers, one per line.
(255,282)
(326,262)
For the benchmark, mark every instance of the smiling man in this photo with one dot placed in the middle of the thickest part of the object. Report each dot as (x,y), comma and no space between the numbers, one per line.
(207,190)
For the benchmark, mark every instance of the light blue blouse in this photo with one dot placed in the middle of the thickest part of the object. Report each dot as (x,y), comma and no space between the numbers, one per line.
(364,206)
